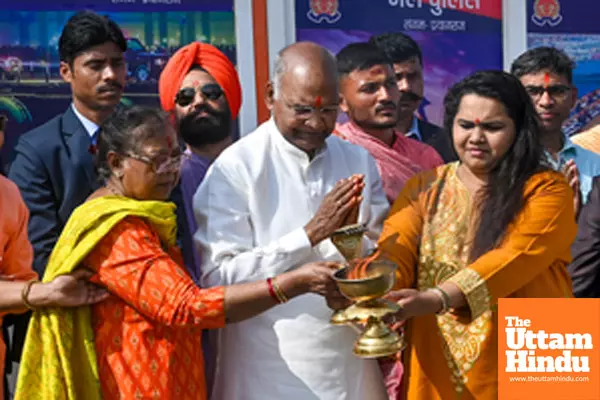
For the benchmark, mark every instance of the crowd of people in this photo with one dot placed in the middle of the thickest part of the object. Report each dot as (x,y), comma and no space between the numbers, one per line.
(179,264)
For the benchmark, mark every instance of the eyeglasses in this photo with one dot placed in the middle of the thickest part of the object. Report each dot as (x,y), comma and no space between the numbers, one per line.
(305,112)
(161,164)
(186,96)
(557,92)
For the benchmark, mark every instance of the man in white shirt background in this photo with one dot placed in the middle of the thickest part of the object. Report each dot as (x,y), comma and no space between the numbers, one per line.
(269,204)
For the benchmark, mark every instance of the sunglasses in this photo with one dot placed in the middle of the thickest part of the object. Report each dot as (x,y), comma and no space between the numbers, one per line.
(3,120)
(186,96)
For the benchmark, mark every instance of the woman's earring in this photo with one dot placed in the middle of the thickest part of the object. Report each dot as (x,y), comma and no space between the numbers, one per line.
(119,174)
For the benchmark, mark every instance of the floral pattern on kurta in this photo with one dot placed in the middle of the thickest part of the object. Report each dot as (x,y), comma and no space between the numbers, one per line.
(429,234)
(148,334)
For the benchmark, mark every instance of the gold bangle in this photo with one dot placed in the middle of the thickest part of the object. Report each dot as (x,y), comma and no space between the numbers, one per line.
(280,295)
(444,297)
(25,293)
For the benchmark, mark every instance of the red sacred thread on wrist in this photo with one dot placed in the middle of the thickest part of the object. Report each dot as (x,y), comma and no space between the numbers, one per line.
(272,291)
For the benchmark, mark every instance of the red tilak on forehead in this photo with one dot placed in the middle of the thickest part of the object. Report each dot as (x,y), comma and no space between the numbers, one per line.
(546,79)
(195,83)
(318,101)
(477,121)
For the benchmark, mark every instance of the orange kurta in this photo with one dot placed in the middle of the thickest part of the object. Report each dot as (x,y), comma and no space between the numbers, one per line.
(148,334)
(16,254)
(428,234)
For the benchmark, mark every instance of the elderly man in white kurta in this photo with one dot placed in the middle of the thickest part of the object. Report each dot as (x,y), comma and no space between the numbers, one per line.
(267,205)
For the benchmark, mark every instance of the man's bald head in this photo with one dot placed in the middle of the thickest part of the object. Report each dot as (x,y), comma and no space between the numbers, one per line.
(302,60)
(303,95)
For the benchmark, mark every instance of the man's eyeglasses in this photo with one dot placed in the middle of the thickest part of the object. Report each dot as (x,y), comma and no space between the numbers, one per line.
(557,92)
(305,112)
(186,96)
(161,164)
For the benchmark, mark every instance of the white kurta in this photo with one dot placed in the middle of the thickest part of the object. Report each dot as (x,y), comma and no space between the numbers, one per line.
(251,210)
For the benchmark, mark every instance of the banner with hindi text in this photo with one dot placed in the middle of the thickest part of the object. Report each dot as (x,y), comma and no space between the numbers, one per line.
(457,37)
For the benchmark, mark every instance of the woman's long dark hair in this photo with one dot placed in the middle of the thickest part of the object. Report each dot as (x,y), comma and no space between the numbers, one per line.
(502,198)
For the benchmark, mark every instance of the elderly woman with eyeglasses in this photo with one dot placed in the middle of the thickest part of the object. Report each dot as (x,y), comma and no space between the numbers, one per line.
(144,340)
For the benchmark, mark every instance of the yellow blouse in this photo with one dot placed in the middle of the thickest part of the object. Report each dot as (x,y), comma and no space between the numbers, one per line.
(428,234)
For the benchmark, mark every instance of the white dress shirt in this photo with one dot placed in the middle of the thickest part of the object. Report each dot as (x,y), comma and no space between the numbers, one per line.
(251,210)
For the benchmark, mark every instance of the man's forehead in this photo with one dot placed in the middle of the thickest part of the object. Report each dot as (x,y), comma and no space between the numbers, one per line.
(412,64)
(301,91)
(308,93)
(197,77)
(543,77)
(313,98)
(376,72)
(107,50)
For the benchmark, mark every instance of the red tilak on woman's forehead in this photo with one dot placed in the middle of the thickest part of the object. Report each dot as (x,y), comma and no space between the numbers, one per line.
(195,83)
(318,101)
(477,121)
(547,79)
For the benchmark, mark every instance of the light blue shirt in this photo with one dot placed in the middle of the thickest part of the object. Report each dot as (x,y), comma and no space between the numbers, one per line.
(587,162)
(413,131)
(90,127)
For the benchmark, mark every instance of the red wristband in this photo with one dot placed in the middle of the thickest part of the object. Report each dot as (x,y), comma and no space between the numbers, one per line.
(272,290)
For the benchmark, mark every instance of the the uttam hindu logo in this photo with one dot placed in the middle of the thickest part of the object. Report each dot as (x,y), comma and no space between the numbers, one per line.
(438,6)
(548,349)
(526,347)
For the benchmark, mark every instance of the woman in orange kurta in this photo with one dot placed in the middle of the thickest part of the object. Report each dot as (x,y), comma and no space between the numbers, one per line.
(147,334)
(495,224)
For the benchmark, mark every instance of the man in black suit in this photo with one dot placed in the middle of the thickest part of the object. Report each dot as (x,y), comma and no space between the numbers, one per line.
(406,57)
(53,167)
(585,268)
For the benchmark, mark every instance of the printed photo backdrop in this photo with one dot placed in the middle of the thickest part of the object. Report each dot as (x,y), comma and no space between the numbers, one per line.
(31,90)
(457,37)
(572,26)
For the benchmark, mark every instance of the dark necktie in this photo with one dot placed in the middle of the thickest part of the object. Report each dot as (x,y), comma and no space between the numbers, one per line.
(94,137)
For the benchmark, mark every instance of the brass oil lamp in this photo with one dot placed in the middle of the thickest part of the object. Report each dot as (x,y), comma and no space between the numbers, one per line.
(366,293)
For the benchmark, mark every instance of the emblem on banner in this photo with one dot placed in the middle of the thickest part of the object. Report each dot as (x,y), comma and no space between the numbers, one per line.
(546,12)
(324,10)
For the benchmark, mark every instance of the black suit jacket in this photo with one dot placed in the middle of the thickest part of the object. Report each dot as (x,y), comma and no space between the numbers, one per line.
(54,170)
(585,268)
(437,138)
